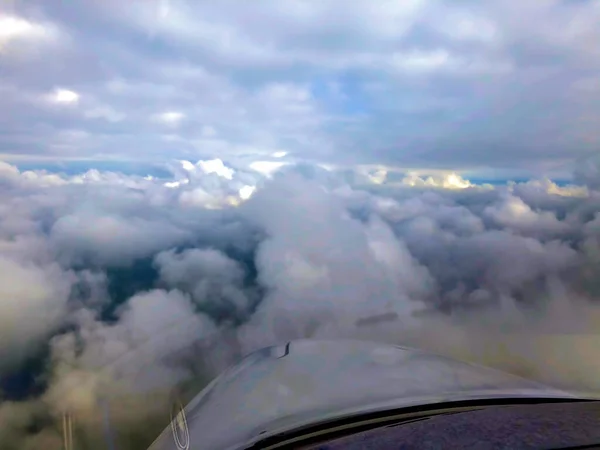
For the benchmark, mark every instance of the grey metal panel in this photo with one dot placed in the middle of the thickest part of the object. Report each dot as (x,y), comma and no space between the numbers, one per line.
(280,388)
(564,425)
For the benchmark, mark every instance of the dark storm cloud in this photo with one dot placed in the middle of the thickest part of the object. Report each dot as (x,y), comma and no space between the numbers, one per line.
(417,84)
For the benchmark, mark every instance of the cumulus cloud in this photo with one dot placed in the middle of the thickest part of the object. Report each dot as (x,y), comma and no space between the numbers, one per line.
(111,239)
(65,96)
(447,181)
(513,213)
(117,294)
(156,322)
(126,369)
(319,264)
(215,281)
(19,33)
(34,301)
(171,118)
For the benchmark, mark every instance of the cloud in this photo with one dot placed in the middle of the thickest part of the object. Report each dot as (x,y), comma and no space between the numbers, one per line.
(320,264)
(18,31)
(157,323)
(448,181)
(215,281)
(171,118)
(424,84)
(64,96)
(34,302)
(111,239)
(131,289)
(513,213)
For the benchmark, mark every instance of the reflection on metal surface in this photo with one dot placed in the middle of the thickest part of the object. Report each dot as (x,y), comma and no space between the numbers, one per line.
(107,428)
(181,434)
(286,387)
(286,351)
(67,425)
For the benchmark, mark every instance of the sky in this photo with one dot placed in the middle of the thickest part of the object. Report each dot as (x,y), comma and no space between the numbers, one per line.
(480,88)
(182,183)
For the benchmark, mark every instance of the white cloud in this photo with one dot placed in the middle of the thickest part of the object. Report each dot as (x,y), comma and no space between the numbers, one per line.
(513,213)
(285,255)
(14,26)
(215,281)
(267,168)
(171,118)
(246,192)
(110,238)
(8,171)
(216,166)
(64,96)
(446,181)
(320,265)
(116,359)
(33,302)
(549,187)
(14,29)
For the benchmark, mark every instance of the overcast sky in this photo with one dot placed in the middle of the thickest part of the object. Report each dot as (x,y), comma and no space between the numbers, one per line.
(414,83)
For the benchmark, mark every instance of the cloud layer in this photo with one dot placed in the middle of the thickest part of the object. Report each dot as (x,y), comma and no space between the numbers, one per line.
(420,83)
(121,290)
